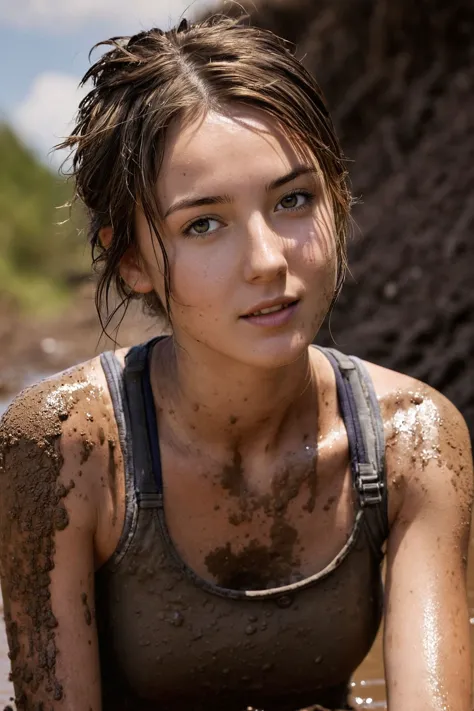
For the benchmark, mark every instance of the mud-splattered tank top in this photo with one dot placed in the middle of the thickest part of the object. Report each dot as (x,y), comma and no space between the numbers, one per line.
(172,641)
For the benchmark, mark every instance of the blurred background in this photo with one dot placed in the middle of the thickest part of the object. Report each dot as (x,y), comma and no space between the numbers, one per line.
(398,77)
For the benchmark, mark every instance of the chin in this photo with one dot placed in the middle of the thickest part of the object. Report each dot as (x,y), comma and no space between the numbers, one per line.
(273,351)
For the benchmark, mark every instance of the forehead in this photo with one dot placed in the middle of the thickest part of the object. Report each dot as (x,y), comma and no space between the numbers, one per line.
(240,144)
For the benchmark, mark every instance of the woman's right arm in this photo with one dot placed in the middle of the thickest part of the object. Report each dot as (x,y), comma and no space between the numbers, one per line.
(47,524)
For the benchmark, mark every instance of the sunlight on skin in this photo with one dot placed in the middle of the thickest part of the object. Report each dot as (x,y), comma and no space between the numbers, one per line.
(420,423)
(253,249)
(432,644)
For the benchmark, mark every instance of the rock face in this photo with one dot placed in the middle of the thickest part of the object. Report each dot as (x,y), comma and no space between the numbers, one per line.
(399,80)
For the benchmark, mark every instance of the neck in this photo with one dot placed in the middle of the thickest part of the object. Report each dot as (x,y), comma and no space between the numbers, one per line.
(217,400)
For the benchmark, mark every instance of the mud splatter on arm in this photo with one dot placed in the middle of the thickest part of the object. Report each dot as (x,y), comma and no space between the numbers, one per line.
(429,467)
(46,554)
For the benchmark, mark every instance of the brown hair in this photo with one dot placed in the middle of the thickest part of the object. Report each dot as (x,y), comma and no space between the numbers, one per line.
(147,81)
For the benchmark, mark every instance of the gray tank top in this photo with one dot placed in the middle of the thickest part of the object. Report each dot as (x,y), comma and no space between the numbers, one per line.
(172,641)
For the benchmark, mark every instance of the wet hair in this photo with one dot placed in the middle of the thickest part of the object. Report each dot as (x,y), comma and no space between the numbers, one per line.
(143,84)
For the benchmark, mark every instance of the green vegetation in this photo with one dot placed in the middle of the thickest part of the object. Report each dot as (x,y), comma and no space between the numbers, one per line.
(39,257)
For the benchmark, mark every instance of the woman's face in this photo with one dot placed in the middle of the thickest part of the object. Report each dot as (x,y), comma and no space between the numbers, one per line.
(247,226)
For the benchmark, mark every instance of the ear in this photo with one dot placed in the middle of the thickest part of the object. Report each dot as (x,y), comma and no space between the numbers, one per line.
(105,236)
(133,272)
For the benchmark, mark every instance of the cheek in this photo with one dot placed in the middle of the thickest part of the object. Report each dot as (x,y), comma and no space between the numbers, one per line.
(318,255)
(199,277)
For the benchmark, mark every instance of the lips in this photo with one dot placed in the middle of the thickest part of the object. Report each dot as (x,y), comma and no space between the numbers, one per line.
(272,317)
(270,307)
(270,310)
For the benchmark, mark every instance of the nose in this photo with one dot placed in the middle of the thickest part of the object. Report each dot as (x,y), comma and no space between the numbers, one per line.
(264,257)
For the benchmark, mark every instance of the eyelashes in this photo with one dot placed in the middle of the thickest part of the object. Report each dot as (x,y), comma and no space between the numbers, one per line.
(309,199)
(203,222)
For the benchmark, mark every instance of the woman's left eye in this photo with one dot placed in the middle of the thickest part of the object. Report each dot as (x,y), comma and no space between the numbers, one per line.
(201,227)
(296,200)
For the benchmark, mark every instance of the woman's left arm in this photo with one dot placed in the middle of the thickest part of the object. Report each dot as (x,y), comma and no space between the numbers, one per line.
(426,640)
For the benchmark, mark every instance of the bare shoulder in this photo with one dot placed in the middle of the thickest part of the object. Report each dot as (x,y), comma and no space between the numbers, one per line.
(398,394)
(57,439)
(428,446)
(54,408)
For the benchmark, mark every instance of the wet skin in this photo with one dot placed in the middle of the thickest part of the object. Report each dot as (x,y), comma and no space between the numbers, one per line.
(301,511)
(254,452)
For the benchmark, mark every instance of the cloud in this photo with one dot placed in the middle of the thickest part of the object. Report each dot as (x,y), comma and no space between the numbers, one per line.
(67,15)
(46,113)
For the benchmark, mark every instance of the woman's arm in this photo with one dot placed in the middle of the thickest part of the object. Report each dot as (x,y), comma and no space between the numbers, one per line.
(47,525)
(426,643)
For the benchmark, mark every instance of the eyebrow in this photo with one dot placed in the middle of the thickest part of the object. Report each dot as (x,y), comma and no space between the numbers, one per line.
(187,203)
(292,175)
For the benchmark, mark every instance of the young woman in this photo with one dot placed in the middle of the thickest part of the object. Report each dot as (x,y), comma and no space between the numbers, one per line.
(199,522)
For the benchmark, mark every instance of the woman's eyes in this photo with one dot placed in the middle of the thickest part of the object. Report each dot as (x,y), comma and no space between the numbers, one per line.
(200,227)
(296,200)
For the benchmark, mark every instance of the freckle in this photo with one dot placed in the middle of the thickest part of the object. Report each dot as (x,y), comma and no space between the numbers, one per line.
(196,407)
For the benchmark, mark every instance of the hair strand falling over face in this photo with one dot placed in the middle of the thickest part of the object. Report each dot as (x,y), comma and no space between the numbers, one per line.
(141,85)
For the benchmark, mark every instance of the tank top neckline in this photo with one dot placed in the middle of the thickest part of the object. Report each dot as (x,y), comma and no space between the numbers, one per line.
(267,593)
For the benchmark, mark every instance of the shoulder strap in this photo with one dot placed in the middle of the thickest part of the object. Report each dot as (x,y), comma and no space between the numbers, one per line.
(139,405)
(113,372)
(364,425)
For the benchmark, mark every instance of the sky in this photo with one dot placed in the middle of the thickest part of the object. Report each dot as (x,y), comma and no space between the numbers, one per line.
(44,47)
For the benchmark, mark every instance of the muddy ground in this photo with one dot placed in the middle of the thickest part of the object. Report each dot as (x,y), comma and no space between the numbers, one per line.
(32,346)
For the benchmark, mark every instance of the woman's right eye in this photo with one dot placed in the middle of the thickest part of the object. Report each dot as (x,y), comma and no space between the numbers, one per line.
(201,227)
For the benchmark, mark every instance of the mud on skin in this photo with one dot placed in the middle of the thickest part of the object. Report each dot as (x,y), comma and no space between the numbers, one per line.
(257,566)
(416,422)
(32,511)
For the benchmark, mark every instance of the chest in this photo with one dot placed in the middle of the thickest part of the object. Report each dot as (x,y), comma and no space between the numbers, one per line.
(259,524)
(169,638)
